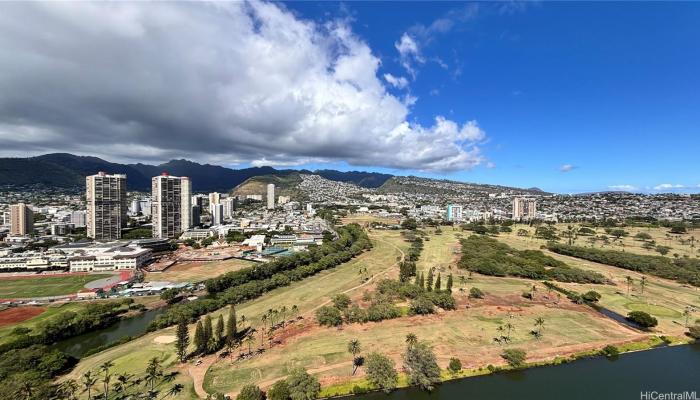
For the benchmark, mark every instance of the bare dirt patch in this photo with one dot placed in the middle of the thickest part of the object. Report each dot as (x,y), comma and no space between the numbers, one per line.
(165,339)
(16,315)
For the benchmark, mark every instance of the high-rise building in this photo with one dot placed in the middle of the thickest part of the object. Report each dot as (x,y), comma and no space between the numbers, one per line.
(229,205)
(214,198)
(21,220)
(524,208)
(270,196)
(171,205)
(106,205)
(78,219)
(217,214)
(454,213)
(196,215)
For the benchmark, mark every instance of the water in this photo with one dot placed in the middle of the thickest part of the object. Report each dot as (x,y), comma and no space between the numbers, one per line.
(664,370)
(78,346)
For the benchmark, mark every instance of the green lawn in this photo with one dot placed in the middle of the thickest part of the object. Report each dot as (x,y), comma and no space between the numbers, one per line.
(24,287)
(31,323)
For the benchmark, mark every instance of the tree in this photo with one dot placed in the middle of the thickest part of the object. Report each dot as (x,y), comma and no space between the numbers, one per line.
(175,390)
(250,392)
(182,340)
(68,389)
(231,328)
(200,342)
(629,283)
(514,357)
(106,377)
(278,391)
(429,283)
(153,372)
(381,372)
(643,283)
(411,339)
(420,364)
(642,319)
(455,366)
(409,224)
(208,330)
(449,283)
(303,386)
(219,331)
(686,314)
(421,305)
(539,323)
(354,348)
(88,381)
(341,301)
(591,296)
(694,332)
(438,283)
(329,316)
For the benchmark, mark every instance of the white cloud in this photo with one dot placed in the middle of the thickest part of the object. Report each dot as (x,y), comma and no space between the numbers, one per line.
(409,53)
(490,165)
(669,186)
(225,81)
(624,188)
(398,82)
(567,168)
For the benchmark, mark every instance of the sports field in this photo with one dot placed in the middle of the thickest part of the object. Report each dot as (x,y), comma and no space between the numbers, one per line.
(44,285)
(196,272)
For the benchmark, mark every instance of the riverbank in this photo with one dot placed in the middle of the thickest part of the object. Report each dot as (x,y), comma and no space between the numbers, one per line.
(363,386)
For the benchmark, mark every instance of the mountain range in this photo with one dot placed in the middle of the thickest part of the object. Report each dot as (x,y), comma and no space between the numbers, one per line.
(63,170)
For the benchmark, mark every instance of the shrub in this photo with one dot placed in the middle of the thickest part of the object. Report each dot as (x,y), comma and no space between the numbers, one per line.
(381,372)
(341,301)
(642,319)
(455,366)
(382,310)
(591,296)
(302,386)
(514,357)
(278,391)
(250,392)
(610,351)
(476,293)
(442,299)
(329,316)
(422,305)
(694,332)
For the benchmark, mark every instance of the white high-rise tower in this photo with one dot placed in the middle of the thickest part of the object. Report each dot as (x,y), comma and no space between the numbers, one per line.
(171,205)
(270,196)
(106,205)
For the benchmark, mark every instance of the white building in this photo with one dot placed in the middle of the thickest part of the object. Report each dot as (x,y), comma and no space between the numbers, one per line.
(283,199)
(454,213)
(270,196)
(171,207)
(524,208)
(106,205)
(21,220)
(78,219)
(217,214)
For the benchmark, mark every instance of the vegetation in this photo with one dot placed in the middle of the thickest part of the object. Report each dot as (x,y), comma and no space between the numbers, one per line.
(489,257)
(278,391)
(421,366)
(249,283)
(642,319)
(683,270)
(610,351)
(514,357)
(455,366)
(381,372)
(476,293)
(28,287)
(250,392)
(302,386)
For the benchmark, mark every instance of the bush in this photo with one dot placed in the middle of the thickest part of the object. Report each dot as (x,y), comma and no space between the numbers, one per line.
(694,332)
(381,311)
(422,305)
(302,386)
(610,351)
(329,316)
(642,319)
(341,301)
(421,366)
(250,392)
(278,391)
(514,357)
(591,296)
(476,293)
(455,366)
(381,372)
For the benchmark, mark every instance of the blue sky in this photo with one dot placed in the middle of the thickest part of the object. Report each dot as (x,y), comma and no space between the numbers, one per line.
(573,97)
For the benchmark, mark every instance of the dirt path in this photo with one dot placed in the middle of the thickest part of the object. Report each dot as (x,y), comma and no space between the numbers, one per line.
(197,373)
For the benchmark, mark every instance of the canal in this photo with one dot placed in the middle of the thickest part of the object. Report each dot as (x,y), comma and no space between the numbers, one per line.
(663,370)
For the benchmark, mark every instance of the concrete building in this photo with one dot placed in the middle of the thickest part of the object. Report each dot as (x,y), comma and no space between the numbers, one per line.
(524,208)
(196,215)
(21,220)
(171,205)
(454,213)
(217,214)
(270,196)
(229,205)
(214,198)
(106,205)
(78,219)
(283,200)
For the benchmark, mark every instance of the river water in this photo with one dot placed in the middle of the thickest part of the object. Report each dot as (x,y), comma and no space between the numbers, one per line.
(663,370)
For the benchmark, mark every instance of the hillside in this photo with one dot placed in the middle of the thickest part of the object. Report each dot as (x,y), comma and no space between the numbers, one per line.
(286,184)
(412,184)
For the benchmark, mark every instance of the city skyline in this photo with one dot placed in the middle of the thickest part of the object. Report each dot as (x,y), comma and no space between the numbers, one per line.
(559,96)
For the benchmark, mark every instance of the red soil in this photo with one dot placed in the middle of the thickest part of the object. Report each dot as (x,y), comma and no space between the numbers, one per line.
(18,314)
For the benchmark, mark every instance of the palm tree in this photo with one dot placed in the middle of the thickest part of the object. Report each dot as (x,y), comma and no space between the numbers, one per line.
(88,382)
(643,282)
(25,390)
(262,331)
(242,320)
(411,340)
(295,310)
(106,377)
(175,390)
(153,372)
(249,340)
(539,322)
(283,311)
(354,348)
(510,327)
(686,314)
(629,283)
(122,382)
(68,389)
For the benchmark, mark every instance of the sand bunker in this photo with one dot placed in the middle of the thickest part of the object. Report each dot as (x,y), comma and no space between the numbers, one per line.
(165,339)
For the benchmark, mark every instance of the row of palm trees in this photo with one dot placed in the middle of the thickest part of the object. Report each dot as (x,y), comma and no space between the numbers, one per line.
(121,386)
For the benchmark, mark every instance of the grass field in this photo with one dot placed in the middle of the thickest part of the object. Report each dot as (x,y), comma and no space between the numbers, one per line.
(41,286)
(195,272)
(50,311)
(308,295)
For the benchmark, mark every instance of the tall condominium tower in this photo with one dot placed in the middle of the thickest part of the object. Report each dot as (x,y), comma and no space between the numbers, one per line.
(21,220)
(106,205)
(214,198)
(171,205)
(270,196)
(524,208)
(454,213)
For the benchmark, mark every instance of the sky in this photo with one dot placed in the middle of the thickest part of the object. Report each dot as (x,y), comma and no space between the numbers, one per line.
(566,96)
